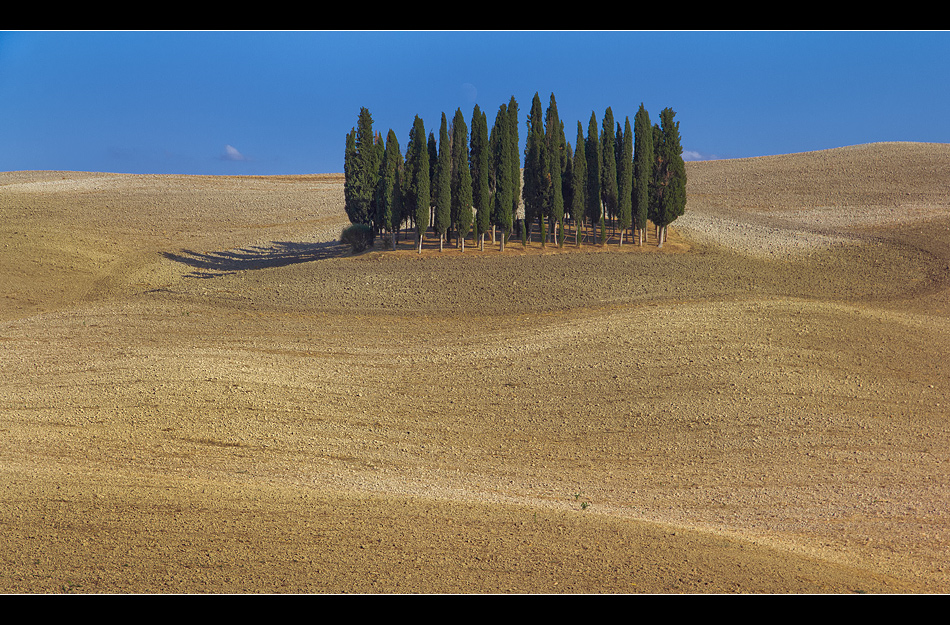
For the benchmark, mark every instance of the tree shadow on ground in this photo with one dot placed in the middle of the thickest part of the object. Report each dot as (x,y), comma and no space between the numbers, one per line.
(277,254)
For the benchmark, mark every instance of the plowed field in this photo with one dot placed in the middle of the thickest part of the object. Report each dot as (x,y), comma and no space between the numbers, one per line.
(203,392)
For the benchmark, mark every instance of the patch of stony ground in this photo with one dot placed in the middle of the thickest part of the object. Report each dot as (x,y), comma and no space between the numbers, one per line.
(203,392)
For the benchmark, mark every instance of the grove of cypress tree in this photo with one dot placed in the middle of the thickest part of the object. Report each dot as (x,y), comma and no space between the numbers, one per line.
(642,169)
(462,197)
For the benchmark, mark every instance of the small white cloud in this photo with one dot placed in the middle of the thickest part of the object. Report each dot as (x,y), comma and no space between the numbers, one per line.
(231,153)
(692,155)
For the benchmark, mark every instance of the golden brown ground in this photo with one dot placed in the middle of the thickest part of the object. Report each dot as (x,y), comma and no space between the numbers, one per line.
(202,392)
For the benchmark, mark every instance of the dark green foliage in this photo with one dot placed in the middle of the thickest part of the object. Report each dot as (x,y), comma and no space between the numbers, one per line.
(579,184)
(502,152)
(625,179)
(462,198)
(418,180)
(669,174)
(481,172)
(358,236)
(389,195)
(592,150)
(535,165)
(554,140)
(515,157)
(361,169)
(442,196)
(349,175)
(608,171)
(617,177)
(567,181)
(642,168)
(433,147)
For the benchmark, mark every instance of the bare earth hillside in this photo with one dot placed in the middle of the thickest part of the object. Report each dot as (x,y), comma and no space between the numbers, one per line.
(203,392)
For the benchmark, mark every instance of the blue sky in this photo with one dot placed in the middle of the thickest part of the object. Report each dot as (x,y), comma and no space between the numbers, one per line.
(278,102)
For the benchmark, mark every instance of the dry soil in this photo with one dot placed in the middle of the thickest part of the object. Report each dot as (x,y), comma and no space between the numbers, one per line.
(203,392)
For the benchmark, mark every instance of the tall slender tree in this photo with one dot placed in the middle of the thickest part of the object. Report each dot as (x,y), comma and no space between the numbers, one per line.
(642,170)
(535,166)
(625,180)
(481,174)
(442,189)
(554,140)
(608,172)
(579,186)
(433,146)
(567,185)
(349,176)
(669,175)
(388,192)
(361,169)
(594,156)
(515,156)
(462,197)
(501,142)
(419,177)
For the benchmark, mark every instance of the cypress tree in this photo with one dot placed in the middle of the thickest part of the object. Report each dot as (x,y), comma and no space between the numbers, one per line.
(481,167)
(554,140)
(349,176)
(625,180)
(363,173)
(592,150)
(433,147)
(442,195)
(670,176)
(462,197)
(654,185)
(579,185)
(642,169)
(535,166)
(417,172)
(387,197)
(501,142)
(515,157)
(609,164)
(567,184)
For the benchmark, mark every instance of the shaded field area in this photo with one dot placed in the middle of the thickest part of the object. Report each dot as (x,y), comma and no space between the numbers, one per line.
(204,392)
